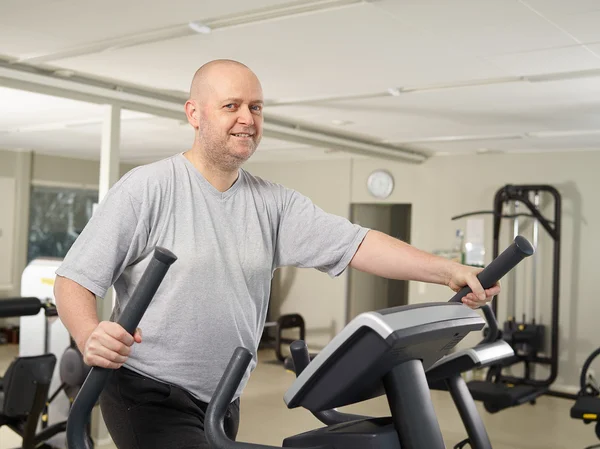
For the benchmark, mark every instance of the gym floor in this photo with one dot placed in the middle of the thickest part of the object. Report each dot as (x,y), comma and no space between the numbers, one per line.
(265,419)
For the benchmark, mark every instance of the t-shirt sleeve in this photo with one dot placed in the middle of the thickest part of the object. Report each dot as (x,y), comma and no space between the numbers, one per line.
(309,237)
(115,236)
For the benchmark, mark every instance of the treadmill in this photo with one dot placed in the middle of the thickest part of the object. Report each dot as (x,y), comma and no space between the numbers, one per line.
(385,352)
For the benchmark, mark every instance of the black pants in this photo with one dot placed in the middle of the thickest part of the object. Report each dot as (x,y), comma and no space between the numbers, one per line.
(141,413)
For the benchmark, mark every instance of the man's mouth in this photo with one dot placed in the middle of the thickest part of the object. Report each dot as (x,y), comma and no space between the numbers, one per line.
(243,135)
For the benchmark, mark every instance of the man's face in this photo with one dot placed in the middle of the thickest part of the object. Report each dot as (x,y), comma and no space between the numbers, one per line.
(231,121)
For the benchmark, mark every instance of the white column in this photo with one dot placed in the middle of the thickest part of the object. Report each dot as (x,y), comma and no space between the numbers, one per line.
(21,214)
(109,174)
(110,153)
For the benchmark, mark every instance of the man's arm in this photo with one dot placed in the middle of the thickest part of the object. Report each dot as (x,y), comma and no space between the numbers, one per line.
(104,344)
(385,256)
(76,308)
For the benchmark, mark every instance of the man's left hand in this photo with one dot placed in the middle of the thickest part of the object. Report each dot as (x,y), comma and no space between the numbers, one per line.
(466,275)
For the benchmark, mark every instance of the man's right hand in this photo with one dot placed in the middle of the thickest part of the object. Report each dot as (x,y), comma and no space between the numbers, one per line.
(109,345)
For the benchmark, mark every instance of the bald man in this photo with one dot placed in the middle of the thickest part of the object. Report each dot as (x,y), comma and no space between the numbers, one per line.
(230,231)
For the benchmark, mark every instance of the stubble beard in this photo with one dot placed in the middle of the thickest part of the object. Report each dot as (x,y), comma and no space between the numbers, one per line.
(220,155)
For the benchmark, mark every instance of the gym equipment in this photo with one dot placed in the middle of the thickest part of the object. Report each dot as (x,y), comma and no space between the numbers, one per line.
(394,347)
(527,337)
(129,319)
(284,322)
(23,306)
(23,394)
(446,375)
(25,387)
(41,334)
(587,405)
(377,353)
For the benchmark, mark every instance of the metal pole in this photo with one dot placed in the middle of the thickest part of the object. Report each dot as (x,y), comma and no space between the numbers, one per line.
(536,225)
(412,409)
(513,273)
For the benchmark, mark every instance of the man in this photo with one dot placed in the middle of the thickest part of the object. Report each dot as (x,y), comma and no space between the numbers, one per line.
(230,231)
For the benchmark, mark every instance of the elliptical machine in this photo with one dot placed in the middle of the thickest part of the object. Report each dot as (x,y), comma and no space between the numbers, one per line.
(377,353)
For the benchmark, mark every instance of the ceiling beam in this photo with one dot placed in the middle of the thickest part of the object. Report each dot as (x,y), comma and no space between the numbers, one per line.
(462,84)
(79,88)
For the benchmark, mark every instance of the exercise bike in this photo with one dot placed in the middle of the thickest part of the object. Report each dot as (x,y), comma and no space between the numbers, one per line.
(378,353)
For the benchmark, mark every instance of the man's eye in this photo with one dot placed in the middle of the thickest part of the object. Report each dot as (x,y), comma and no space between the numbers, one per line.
(230,106)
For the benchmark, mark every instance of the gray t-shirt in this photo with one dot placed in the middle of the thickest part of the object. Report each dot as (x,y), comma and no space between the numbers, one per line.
(214,297)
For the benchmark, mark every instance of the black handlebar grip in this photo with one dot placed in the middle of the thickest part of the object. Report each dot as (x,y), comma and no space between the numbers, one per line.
(22,306)
(130,317)
(146,289)
(300,356)
(510,257)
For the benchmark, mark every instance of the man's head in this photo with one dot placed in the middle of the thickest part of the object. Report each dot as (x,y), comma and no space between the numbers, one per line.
(225,109)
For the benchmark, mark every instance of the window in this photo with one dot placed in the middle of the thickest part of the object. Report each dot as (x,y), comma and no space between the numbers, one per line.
(57,216)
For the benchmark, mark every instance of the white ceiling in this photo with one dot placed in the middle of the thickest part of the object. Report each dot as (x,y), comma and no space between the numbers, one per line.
(470,75)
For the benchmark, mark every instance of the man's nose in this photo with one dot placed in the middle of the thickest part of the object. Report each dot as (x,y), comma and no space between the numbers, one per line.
(245,116)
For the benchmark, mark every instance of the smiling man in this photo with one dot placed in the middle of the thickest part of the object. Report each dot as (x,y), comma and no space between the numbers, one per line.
(226,111)
(230,231)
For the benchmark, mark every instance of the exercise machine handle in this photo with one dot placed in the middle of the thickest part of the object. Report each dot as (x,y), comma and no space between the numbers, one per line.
(222,397)
(130,317)
(510,257)
(493,327)
(20,306)
(301,359)
(300,356)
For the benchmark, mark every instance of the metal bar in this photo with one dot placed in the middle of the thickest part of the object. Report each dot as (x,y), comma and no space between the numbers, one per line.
(536,232)
(513,273)
(417,427)
(560,394)
(478,437)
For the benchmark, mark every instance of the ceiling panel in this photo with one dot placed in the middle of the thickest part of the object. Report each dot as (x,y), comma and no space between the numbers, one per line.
(547,61)
(58,25)
(583,26)
(346,51)
(557,8)
(479,27)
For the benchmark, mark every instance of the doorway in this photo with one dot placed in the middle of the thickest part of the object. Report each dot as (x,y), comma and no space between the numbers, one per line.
(367,292)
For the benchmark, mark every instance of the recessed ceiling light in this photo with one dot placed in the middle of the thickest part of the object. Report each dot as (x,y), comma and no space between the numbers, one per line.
(338,122)
(64,72)
(488,151)
(199,28)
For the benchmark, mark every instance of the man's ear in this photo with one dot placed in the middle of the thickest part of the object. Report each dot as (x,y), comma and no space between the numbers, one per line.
(192,113)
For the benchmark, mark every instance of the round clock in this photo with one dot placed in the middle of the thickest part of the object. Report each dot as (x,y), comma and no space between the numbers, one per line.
(380,184)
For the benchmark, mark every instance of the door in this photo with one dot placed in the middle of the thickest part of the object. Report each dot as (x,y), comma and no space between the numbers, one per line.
(367,292)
